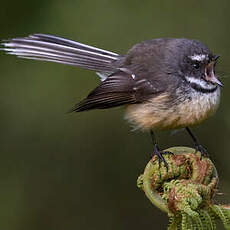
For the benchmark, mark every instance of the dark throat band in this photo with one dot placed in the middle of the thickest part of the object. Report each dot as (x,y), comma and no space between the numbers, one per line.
(198,88)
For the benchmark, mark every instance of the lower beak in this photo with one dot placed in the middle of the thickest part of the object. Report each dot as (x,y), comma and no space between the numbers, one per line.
(210,76)
(218,82)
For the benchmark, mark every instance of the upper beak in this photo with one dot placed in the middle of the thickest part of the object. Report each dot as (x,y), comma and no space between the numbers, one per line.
(210,76)
(216,57)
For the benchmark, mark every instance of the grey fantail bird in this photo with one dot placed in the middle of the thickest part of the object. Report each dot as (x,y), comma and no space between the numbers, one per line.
(165,83)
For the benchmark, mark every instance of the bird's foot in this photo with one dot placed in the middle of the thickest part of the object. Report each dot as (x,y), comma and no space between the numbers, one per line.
(201,149)
(159,154)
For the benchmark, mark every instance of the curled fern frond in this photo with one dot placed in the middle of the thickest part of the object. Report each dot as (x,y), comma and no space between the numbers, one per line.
(185,190)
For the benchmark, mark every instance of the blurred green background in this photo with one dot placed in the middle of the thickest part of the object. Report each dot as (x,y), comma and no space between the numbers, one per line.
(78,171)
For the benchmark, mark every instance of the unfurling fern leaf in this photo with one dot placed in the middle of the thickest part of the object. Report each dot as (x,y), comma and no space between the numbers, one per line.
(185,190)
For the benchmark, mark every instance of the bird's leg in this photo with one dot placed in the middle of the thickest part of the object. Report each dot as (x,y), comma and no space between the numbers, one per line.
(198,146)
(157,152)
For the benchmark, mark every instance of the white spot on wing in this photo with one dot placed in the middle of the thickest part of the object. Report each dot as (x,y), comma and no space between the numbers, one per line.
(142,80)
(103,76)
(128,72)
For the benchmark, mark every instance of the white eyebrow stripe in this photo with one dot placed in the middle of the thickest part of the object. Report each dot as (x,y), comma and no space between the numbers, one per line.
(198,57)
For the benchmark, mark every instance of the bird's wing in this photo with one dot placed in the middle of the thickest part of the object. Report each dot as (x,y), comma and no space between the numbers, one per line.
(120,88)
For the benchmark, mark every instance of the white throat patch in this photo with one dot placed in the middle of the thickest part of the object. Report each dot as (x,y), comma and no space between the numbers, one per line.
(200,82)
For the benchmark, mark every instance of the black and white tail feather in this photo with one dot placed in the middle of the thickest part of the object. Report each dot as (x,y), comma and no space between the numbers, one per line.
(114,88)
(56,49)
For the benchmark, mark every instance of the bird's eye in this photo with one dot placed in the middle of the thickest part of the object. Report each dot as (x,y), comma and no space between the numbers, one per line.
(196,65)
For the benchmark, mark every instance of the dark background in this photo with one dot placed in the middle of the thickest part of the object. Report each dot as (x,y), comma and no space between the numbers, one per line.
(78,171)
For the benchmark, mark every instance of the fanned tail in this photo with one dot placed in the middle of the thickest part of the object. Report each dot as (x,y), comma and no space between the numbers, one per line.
(56,49)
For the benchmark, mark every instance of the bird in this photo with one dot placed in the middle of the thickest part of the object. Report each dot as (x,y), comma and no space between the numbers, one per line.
(163,83)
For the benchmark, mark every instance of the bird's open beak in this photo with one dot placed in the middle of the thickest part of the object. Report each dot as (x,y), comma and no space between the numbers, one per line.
(210,76)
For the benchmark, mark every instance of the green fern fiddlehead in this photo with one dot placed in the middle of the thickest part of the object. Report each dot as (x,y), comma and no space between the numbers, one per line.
(185,191)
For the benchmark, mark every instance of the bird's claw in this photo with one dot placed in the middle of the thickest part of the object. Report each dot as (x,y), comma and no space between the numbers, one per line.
(201,149)
(159,154)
